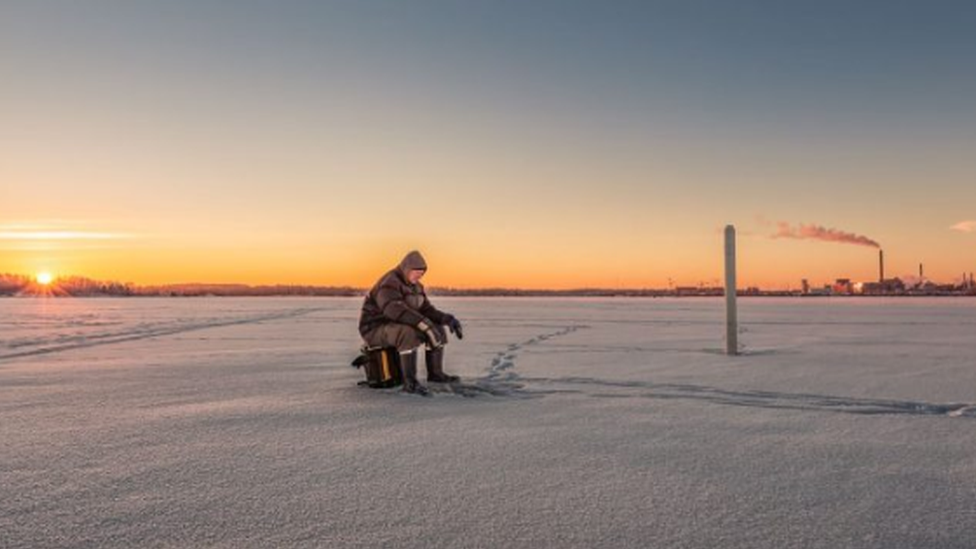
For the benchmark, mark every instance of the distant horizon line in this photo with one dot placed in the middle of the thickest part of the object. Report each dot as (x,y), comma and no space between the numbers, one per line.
(80,286)
(352,287)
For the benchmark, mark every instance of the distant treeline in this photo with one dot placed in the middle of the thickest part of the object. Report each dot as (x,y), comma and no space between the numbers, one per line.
(76,286)
(230,290)
(578,292)
(70,286)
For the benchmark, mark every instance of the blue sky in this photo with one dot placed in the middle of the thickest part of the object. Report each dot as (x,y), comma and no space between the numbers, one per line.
(553,130)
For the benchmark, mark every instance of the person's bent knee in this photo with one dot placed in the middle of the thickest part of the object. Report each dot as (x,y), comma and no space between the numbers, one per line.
(406,338)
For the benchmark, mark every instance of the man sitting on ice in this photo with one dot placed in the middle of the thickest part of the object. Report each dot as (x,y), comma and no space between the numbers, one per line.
(397,313)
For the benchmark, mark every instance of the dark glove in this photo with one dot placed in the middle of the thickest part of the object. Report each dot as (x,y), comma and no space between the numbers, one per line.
(433,338)
(454,325)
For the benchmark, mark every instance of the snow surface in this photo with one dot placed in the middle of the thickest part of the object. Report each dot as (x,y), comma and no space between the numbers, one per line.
(581,423)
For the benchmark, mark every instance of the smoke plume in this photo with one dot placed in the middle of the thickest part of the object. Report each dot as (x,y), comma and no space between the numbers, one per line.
(816,232)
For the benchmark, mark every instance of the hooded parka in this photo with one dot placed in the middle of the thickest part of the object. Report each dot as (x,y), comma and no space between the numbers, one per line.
(395,300)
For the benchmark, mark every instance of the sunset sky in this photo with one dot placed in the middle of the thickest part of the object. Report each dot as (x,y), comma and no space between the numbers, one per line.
(515,143)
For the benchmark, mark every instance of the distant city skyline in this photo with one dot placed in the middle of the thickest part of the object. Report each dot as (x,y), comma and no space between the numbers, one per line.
(523,145)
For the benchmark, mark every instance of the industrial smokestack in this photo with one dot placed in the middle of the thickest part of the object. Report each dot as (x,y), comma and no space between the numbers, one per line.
(921,271)
(881,266)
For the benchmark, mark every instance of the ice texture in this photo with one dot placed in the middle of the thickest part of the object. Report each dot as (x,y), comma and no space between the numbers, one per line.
(237,423)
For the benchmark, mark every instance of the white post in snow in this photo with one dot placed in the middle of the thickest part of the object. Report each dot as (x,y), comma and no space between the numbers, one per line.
(731,315)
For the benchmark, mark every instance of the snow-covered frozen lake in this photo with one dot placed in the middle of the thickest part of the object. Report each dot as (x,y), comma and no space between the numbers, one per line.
(580,423)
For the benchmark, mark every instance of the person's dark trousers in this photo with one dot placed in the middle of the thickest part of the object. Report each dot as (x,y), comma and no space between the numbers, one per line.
(435,367)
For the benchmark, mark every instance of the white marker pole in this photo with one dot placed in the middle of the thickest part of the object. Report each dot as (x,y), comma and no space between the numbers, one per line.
(731,315)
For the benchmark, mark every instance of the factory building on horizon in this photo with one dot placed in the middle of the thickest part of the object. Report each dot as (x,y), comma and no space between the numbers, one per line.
(890,286)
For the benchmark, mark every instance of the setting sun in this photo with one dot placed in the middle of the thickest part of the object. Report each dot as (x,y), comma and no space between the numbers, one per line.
(44,278)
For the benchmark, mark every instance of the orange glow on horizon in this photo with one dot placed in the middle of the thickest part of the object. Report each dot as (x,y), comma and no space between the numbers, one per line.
(534,258)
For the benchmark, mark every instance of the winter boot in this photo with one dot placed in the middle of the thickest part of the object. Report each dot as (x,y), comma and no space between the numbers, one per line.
(408,364)
(435,367)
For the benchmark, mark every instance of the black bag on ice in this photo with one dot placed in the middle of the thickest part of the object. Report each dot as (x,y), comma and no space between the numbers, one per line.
(381,365)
